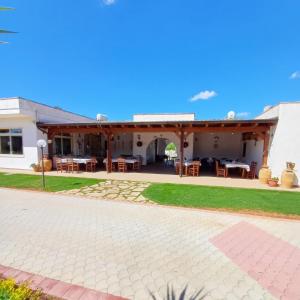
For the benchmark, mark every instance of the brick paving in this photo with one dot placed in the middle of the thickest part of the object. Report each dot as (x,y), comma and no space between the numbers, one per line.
(274,263)
(126,250)
(54,288)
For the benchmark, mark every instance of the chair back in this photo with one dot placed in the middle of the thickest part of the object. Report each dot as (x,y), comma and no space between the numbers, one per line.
(70,161)
(253,166)
(217,165)
(121,164)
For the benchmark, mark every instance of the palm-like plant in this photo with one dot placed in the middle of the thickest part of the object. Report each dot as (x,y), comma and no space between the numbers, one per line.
(171,295)
(3,30)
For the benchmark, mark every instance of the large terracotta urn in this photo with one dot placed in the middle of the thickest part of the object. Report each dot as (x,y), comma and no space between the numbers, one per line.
(264,174)
(47,163)
(288,176)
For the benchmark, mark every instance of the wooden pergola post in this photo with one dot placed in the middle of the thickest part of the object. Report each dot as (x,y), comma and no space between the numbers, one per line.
(50,137)
(266,148)
(181,152)
(108,153)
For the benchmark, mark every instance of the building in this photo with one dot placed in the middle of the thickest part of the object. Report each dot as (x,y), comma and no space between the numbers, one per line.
(273,138)
(19,133)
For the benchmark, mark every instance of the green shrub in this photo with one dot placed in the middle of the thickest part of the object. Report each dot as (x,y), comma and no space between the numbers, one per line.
(9,290)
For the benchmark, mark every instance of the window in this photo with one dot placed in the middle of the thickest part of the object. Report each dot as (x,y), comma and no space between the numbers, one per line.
(11,141)
(63,145)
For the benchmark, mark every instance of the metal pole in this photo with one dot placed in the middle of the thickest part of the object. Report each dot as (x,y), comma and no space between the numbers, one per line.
(43,173)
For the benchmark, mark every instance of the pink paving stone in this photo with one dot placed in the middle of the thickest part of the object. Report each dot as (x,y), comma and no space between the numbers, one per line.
(56,288)
(59,289)
(272,262)
(11,273)
(35,280)
(74,293)
(90,295)
(22,277)
(47,284)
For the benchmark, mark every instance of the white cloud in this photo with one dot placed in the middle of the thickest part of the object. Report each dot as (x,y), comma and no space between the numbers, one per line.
(295,75)
(108,2)
(203,95)
(243,114)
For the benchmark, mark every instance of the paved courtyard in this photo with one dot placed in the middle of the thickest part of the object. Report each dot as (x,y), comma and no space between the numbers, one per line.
(128,249)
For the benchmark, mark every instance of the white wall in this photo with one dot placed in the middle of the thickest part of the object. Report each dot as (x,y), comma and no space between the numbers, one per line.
(285,137)
(21,113)
(163,117)
(148,137)
(122,144)
(229,145)
(30,152)
(254,152)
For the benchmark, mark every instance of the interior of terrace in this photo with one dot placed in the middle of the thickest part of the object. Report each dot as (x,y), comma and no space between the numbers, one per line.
(223,148)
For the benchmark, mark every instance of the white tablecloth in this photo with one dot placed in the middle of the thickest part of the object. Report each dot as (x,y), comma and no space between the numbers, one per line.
(78,160)
(232,164)
(186,163)
(127,160)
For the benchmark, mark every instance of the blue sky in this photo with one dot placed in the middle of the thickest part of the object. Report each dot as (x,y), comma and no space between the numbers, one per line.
(135,56)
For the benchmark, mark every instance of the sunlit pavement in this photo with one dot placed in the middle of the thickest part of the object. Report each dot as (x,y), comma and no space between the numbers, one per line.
(130,249)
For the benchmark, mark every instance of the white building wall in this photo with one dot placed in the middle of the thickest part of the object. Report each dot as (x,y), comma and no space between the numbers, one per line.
(228,145)
(285,137)
(148,137)
(163,117)
(122,144)
(21,113)
(30,151)
(254,153)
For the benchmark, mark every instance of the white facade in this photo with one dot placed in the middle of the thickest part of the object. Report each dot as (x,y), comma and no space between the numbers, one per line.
(19,113)
(285,137)
(147,139)
(163,117)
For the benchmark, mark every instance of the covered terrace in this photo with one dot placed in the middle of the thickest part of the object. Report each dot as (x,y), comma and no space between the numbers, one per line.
(108,140)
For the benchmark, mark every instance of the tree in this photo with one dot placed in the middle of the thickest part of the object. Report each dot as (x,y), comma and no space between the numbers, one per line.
(3,30)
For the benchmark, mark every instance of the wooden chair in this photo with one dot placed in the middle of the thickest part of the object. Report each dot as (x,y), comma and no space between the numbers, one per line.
(194,168)
(122,166)
(72,166)
(60,166)
(252,173)
(220,170)
(91,165)
(136,166)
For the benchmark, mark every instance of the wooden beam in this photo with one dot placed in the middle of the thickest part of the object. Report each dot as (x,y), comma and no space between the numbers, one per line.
(266,148)
(181,153)
(108,153)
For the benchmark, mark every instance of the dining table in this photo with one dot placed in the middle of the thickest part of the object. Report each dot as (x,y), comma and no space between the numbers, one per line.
(186,165)
(230,164)
(78,160)
(127,160)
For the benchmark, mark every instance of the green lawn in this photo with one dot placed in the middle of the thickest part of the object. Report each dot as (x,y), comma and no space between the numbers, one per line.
(53,183)
(287,203)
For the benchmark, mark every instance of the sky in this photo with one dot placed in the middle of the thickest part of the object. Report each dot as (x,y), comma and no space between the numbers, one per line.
(120,57)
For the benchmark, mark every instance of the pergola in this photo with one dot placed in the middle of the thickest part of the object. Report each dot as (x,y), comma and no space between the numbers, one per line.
(252,129)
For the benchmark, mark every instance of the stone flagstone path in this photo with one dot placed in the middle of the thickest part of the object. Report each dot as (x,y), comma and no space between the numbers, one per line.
(113,189)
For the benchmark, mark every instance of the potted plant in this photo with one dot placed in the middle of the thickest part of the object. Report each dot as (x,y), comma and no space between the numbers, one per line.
(273,182)
(35,167)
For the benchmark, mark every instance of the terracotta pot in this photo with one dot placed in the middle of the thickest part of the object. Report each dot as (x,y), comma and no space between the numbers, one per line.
(264,174)
(273,183)
(36,168)
(47,164)
(288,176)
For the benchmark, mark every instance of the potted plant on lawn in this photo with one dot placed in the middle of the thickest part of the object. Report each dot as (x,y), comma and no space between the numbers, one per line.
(36,167)
(273,182)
